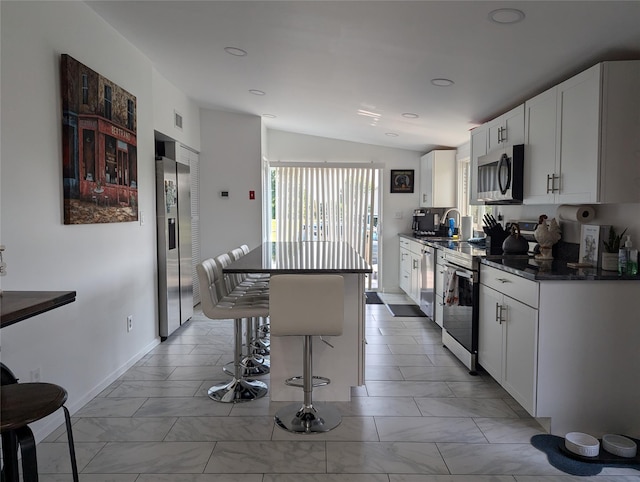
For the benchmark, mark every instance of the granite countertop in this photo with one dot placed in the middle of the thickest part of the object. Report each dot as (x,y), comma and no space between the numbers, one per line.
(301,257)
(551,270)
(524,265)
(463,247)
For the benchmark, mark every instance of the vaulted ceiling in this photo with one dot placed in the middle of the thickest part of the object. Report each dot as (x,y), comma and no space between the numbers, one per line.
(351,69)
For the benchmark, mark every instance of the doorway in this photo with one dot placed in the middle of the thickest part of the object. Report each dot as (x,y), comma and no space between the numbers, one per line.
(338,203)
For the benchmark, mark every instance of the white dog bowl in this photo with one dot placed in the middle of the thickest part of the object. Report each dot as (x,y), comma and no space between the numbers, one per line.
(619,445)
(582,444)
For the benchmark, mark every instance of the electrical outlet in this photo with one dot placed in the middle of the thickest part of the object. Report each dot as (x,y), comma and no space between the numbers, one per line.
(129,323)
(34,375)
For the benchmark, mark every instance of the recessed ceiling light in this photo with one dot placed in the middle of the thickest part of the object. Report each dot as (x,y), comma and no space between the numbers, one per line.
(410,115)
(269,116)
(256,92)
(368,113)
(391,134)
(235,51)
(506,16)
(442,82)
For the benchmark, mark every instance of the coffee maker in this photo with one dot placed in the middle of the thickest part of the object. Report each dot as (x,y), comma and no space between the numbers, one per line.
(425,222)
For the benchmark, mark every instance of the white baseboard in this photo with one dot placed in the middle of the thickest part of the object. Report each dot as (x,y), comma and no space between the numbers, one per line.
(54,421)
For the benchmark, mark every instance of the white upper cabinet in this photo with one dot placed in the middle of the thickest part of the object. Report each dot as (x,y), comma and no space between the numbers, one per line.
(581,136)
(438,179)
(495,135)
(506,130)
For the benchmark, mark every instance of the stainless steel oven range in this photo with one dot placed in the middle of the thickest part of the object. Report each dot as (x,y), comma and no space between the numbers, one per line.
(460,313)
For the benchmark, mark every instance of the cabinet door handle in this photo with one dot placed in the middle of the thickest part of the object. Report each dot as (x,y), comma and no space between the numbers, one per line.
(503,280)
(551,178)
(502,134)
(415,264)
(499,311)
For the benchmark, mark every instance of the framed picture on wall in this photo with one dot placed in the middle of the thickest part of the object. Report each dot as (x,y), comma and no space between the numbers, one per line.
(99,147)
(402,181)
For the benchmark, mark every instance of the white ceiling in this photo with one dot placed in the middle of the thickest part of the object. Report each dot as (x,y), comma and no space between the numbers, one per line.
(320,62)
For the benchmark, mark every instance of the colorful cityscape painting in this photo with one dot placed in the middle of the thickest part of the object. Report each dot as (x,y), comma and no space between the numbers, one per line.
(99,147)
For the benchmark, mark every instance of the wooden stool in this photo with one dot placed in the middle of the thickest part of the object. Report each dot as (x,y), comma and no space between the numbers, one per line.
(20,405)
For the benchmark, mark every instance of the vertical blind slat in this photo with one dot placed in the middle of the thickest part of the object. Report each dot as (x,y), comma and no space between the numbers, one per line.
(338,202)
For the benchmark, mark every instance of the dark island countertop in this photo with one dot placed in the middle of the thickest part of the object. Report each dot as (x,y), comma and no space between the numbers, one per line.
(301,257)
(20,305)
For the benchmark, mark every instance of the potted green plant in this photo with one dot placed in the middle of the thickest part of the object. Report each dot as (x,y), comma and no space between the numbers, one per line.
(611,247)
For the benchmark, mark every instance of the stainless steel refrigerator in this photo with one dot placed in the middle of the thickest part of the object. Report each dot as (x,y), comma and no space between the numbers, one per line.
(173,208)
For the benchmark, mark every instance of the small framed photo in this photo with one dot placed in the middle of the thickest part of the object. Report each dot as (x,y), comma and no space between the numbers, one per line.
(402,181)
(590,239)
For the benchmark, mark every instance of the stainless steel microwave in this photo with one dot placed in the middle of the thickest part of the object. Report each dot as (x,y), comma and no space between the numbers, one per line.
(499,176)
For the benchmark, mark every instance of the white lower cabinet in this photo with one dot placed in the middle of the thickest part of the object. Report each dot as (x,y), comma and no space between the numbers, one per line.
(410,270)
(405,266)
(567,351)
(508,333)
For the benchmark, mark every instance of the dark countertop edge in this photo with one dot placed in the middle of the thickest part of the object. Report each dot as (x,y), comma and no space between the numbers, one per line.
(21,305)
(253,262)
(298,271)
(572,274)
(575,274)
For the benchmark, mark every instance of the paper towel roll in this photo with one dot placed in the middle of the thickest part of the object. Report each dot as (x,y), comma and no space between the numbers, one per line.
(582,214)
(466,227)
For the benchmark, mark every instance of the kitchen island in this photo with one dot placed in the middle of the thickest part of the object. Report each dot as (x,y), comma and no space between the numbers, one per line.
(343,364)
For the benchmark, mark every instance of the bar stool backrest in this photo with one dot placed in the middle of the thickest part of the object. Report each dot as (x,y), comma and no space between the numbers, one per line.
(230,282)
(306,304)
(235,254)
(211,284)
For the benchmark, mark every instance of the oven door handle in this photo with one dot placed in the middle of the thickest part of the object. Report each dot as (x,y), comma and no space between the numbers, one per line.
(463,274)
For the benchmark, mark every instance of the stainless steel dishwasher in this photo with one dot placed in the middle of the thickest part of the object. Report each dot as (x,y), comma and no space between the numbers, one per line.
(427,281)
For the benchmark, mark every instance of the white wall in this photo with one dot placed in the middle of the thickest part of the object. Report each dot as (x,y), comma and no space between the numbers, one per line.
(287,146)
(167,100)
(230,160)
(82,346)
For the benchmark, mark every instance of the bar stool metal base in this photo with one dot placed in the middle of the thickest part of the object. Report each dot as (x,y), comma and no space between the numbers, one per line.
(250,366)
(238,390)
(298,418)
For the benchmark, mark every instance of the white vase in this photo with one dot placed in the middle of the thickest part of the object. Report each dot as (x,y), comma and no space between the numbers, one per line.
(609,262)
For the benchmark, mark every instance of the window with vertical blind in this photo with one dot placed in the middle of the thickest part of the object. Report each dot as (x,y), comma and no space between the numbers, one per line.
(325,204)
(464,195)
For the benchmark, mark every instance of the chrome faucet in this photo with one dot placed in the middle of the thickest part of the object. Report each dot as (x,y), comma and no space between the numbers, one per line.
(445,215)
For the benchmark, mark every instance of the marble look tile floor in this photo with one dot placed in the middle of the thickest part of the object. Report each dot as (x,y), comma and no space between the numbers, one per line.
(420,418)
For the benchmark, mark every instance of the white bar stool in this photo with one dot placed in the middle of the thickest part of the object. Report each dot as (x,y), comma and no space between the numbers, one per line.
(216,307)
(252,364)
(307,305)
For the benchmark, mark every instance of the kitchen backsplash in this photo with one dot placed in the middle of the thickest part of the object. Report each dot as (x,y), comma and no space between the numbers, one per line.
(619,215)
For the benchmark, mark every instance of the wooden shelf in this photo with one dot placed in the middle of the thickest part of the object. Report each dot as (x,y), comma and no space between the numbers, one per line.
(20,305)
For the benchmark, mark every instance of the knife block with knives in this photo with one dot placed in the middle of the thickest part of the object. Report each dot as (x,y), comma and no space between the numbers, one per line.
(495,234)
